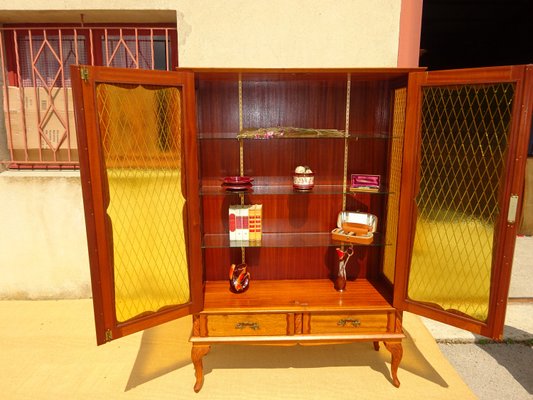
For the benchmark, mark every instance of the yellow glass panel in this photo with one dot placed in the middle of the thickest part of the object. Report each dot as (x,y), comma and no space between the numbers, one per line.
(141,135)
(395,175)
(464,142)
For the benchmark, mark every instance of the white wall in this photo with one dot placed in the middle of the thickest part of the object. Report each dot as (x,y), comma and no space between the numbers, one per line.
(43,251)
(263,33)
(280,33)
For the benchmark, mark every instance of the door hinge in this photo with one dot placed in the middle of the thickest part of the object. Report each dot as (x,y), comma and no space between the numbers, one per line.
(513,205)
(108,335)
(84,73)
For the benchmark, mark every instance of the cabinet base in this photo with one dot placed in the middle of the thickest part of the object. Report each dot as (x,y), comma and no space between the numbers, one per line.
(197,354)
(200,350)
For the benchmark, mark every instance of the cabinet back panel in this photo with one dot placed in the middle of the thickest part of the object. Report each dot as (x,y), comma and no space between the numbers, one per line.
(273,161)
(365,202)
(369,107)
(319,103)
(217,159)
(297,100)
(288,263)
(369,156)
(284,213)
(217,107)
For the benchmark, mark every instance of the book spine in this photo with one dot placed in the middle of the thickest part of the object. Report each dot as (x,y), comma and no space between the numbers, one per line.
(238,222)
(232,225)
(259,222)
(245,222)
(251,223)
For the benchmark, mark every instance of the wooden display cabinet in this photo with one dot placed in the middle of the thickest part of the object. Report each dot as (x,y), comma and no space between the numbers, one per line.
(154,147)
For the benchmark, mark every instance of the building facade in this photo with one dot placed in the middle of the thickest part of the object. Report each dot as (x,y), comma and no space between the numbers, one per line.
(43,251)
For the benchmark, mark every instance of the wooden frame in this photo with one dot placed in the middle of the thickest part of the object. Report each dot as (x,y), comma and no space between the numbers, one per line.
(96,197)
(513,179)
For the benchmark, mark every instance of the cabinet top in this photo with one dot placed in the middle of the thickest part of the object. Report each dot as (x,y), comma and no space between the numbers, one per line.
(308,73)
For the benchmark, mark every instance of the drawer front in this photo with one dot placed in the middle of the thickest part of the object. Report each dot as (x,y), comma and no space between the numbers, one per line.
(247,325)
(348,323)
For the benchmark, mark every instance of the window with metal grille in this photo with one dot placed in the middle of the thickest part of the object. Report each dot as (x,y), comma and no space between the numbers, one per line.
(36,74)
(45,57)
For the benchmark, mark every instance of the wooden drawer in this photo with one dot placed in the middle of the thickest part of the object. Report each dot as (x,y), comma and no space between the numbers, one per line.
(348,323)
(247,325)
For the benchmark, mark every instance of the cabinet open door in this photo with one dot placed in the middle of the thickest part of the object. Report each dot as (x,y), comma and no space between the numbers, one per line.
(462,183)
(137,150)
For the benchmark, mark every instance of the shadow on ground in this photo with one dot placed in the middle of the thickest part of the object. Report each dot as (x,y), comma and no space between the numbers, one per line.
(165,348)
(515,356)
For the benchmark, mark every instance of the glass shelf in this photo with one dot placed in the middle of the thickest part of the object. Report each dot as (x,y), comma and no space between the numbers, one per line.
(264,190)
(281,240)
(351,136)
(382,191)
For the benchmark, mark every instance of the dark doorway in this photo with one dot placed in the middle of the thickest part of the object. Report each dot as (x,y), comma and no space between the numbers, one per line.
(476,33)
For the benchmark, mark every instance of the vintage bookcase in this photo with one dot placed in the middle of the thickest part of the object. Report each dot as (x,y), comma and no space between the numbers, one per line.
(450,150)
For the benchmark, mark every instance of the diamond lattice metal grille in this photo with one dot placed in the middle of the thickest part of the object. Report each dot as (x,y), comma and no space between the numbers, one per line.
(395,175)
(141,135)
(464,142)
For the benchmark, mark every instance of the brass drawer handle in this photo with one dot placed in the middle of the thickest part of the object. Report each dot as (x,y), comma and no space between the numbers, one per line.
(252,325)
(355,322)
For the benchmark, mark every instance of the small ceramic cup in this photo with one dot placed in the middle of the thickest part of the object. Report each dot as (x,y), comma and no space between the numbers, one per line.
(303,181)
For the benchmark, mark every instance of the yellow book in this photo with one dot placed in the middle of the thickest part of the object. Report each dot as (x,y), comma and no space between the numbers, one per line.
(258,222)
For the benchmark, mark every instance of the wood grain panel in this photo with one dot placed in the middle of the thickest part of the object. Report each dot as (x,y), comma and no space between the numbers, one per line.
(292,262)
(247,324)
(273,263)
(218,158)
(217,106)
(283,213)
(348,323)
(369,107)
(273,161)
(369,156)
(297,102)
(294,296)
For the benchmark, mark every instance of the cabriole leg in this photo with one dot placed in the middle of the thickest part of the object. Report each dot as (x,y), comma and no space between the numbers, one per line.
(396,351)
(197,353)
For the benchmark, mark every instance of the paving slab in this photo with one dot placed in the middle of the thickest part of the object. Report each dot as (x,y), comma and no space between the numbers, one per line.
(518,327)
(493,371)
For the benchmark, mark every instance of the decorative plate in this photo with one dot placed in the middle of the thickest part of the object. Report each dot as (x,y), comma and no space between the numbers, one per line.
(239,180)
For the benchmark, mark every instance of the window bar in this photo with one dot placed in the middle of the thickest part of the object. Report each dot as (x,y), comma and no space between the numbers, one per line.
(6,95)
(137,46)
(35,72)
(152,44)
(91,47)
(21,97)
(61,116)
(167,43)
(76,60)
(106,48)
(65,122)
(34,82)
